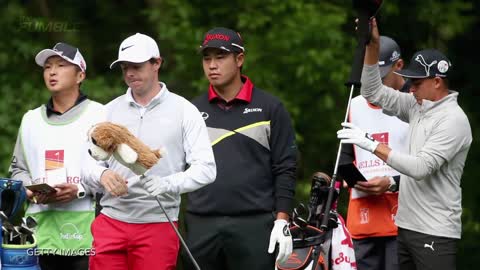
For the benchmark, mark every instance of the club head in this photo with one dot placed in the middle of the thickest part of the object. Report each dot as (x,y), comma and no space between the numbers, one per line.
(371,7)
(30,222)
(299,214)
(23,229)
(3,217)
(5,222)
(322,179)
(16,229)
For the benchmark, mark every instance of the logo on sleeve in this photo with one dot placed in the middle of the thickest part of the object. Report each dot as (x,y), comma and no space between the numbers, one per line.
(204,115)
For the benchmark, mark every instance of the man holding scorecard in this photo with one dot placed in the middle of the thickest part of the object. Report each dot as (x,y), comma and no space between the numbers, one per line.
(51,159)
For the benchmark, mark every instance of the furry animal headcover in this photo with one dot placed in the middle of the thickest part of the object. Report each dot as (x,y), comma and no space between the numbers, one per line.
(107,139)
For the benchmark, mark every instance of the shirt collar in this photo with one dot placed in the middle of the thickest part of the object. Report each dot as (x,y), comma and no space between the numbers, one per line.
(245,94)
(157,99)
(433,106)
(50,110)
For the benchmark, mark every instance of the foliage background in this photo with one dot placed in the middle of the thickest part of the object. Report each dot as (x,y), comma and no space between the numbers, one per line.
(299,50)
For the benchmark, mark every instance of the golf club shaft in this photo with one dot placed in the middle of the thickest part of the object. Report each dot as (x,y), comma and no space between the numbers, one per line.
(329,202)
(178,234)
(339,152)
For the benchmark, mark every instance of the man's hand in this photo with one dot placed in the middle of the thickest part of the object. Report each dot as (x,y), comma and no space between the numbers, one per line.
(65,193)
(114,183)
(375,186)
(352,134)
(373,47)
(42,198)
(281,234)
(157,185)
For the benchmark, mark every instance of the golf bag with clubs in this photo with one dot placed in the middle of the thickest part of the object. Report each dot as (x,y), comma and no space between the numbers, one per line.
(314,248)
(18,242)
(318,243)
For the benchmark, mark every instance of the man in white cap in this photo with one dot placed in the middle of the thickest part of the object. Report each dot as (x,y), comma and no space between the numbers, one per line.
(51,148)
(132,231)
(373,205)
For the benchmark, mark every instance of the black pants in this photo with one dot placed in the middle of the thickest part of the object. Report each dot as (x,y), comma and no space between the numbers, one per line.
(229,242)
(57,262)
(425,252)
(376,253)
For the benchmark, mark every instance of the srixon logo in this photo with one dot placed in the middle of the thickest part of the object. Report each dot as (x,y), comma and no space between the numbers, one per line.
(249,110)
(216,37)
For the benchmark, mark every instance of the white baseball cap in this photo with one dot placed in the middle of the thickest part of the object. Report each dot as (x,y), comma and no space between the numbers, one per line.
(138,48)
(65,51)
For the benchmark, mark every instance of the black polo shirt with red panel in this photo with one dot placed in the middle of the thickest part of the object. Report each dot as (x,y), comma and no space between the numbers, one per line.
(254,146)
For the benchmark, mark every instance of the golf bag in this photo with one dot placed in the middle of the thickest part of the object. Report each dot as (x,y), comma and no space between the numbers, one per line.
(314,249)
(18,247)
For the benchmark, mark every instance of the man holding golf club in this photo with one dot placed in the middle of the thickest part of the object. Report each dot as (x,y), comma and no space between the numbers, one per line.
(132,231)
(439,136)
(237,222)
(51,148)
(371,209)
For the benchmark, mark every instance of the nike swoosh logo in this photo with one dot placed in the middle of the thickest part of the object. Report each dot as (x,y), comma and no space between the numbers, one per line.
(124,48)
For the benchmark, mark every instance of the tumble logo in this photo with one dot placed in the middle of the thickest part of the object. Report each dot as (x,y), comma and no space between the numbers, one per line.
(216,37)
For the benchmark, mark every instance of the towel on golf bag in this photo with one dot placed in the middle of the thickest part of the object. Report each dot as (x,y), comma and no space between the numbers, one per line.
(343,254)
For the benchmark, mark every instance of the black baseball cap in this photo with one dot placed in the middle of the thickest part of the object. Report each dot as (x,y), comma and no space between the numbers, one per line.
(427,63)
(65,51)
(224,39)
(389,54)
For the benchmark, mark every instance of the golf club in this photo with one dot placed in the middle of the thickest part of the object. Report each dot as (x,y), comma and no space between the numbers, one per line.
(365,9)
(178,234)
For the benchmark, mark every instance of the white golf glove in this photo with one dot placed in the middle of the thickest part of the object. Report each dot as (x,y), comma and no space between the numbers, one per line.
(281,234)
(157,185)
(352,134)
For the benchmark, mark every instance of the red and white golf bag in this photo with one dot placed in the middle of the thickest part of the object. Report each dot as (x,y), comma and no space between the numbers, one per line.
(314,249)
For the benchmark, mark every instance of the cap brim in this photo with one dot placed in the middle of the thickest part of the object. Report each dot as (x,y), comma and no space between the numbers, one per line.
(131,60)
(384,70)
(43,55)
(203,48)
(410,74)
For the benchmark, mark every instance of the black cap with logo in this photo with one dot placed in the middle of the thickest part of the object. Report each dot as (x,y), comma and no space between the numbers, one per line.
(224,39)
(427,63)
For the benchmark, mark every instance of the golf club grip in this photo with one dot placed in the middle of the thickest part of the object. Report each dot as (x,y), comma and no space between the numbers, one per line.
(363,37)
(328,205)
(179,235)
